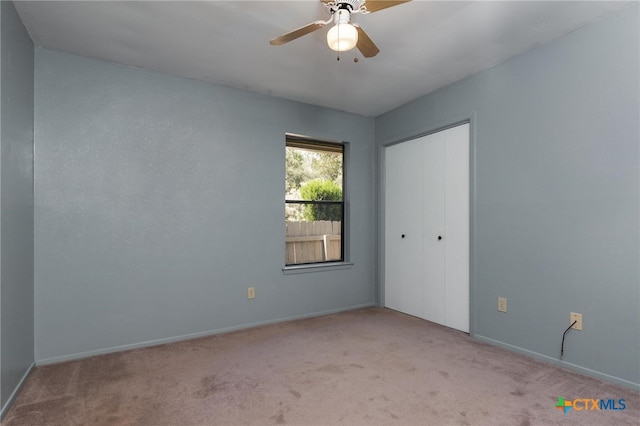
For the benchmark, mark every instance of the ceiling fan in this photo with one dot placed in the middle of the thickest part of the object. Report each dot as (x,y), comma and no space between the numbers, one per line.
(344,35)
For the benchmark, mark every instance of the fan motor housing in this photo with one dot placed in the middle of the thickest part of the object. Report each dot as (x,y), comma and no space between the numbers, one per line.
(354,6)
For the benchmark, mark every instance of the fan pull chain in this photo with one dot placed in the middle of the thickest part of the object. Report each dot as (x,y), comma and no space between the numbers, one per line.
(338,52)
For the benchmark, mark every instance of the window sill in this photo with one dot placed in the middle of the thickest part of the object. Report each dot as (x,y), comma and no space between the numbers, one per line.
(317,267)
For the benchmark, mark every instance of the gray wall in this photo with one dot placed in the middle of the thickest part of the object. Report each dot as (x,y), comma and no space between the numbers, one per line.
(159,200)
(556,194)
(16,202)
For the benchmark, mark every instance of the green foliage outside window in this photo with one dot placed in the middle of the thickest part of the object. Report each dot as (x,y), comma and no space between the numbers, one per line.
(321,189)
(296,172)
(321,173)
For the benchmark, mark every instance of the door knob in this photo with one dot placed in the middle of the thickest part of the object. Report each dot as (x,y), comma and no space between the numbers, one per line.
(402,235)
(439,237)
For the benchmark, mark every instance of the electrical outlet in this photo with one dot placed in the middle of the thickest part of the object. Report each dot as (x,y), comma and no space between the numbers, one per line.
(251,293)
(578,318)
(502,304)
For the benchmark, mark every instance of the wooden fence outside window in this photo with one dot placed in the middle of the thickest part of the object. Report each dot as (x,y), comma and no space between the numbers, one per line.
(309,242)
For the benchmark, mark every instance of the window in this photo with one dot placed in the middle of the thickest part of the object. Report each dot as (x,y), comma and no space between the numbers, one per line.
(314,201)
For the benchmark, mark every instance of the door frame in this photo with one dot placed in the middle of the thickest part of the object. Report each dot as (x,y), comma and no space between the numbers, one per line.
(413,134)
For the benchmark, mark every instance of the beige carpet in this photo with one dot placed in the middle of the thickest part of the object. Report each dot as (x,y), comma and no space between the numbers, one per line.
(366,367)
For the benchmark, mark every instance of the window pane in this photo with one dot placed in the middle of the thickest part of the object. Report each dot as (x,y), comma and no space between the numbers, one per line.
(313,241)
(313,174)
(314,208)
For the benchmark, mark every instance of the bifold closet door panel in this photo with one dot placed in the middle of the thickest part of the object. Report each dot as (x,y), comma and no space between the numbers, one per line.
(404,253)
(457,227)
(393,229)
(433,211)
(412,252)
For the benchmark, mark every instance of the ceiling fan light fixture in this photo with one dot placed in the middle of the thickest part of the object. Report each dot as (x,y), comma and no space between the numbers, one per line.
(342,37)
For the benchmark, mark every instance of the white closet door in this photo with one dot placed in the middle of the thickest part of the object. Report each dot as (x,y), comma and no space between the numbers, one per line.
(456,225)
(432,199)
(412,251)
(394,289)
(427,227)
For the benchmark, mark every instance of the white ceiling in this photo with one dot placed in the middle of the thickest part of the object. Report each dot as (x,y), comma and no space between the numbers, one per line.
(424,45)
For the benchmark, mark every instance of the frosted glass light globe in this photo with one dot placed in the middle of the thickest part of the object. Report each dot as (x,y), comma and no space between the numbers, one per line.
(342,37)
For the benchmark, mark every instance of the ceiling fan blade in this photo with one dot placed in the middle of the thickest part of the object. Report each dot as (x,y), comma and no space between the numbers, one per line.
(286,38)
(376,5)
(365,45)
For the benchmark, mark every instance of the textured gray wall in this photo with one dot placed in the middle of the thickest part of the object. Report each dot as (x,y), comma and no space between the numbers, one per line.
(16,201)
(159,200)
(557,197)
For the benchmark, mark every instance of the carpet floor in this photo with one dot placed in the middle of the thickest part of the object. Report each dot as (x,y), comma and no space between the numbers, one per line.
(371,366)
